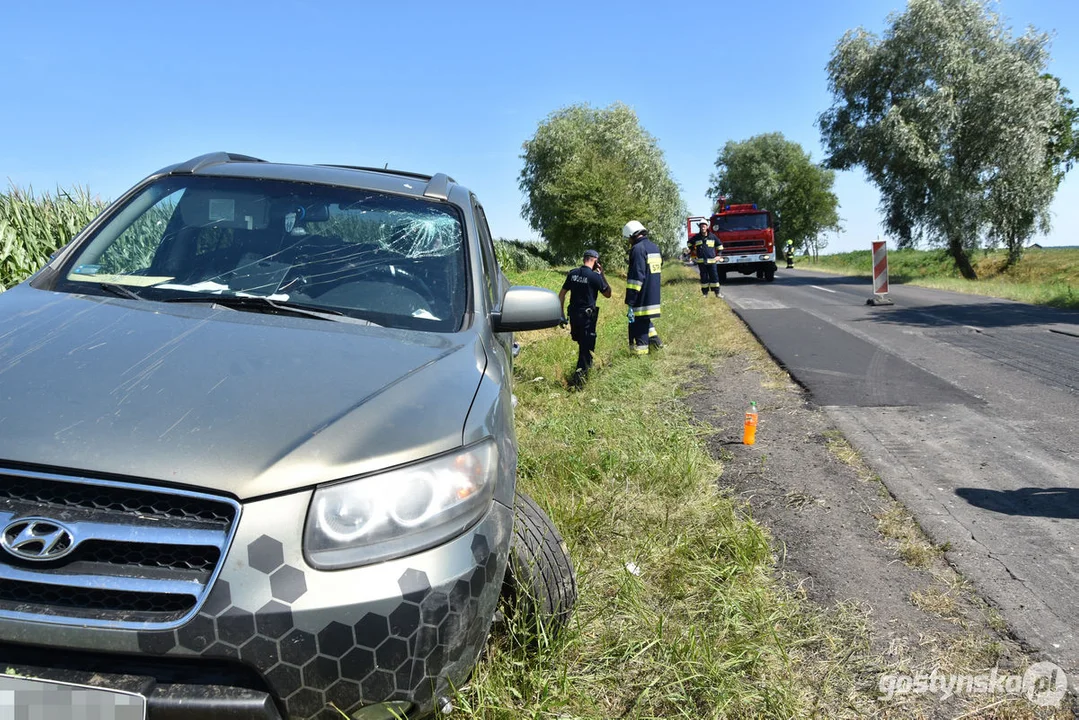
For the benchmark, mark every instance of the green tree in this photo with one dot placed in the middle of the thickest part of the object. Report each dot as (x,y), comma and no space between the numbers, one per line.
(778,175)
(956,122)
(587,172)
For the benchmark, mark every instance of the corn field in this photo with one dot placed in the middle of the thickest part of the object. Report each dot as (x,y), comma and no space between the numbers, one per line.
(32,228)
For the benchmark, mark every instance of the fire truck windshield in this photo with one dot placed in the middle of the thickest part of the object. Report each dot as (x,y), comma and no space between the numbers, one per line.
(749,221)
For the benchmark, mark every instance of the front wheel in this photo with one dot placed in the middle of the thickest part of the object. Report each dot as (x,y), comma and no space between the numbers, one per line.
(769,275)
(540,585)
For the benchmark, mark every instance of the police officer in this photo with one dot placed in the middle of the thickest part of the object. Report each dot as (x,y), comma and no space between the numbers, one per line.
(582,284)
(790,253)
(642,288)
(706,248)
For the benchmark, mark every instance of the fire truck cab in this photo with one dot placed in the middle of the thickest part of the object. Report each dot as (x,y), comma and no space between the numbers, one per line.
(747,235)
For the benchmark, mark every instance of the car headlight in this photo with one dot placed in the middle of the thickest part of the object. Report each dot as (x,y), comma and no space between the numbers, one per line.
(401,511)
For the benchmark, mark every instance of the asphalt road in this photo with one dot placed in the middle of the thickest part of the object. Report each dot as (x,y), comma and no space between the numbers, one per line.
(968,408)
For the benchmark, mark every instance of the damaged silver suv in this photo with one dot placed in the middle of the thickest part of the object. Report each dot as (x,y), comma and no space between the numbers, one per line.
(257,454)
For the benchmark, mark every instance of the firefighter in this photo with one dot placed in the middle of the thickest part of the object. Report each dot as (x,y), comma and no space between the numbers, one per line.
(790,253)
(582,284)
(706,246)
(642,289)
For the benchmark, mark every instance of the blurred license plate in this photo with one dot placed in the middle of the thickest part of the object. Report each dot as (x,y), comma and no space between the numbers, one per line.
(50,700)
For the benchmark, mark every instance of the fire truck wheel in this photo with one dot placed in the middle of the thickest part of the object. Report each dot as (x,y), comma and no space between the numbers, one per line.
(769,275)
(760,274)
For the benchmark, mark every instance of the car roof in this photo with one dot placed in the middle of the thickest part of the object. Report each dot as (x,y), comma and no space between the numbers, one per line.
(437,186)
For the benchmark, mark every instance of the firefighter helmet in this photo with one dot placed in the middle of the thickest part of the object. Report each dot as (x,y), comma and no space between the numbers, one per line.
(631,229)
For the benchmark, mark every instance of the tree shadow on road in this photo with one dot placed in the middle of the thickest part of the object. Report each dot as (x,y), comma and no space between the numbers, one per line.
(993,314)
(1060,502)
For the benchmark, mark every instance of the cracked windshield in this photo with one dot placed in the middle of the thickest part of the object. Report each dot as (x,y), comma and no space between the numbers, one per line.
(391,260)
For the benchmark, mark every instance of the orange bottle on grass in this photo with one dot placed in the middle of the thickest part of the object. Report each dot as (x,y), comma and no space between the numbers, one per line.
(749,434)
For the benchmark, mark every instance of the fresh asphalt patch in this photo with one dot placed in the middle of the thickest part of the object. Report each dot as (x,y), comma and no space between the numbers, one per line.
(841,368)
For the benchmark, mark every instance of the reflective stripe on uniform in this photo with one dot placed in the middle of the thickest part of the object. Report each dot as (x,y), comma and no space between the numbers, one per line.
(634,284)
(638,349)
(646,311)
(652,332)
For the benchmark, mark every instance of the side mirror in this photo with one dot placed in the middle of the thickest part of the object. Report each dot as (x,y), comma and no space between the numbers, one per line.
(527,308)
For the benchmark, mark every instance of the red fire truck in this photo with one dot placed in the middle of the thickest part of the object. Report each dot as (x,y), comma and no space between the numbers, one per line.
(748,238)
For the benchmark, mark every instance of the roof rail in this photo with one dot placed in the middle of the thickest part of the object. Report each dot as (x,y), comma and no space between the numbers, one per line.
(378,170)
(216,158)
(384,170)
(439,187)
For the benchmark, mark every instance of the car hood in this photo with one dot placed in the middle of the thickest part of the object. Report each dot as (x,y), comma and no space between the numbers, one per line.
(219,399)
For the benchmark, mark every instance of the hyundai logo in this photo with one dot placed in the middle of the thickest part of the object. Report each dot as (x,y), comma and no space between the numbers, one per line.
(37,539)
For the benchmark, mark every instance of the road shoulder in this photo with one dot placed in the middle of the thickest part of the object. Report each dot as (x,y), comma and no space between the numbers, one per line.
(845,543)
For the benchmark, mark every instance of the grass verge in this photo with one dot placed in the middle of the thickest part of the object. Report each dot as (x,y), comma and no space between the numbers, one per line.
(679,612)
(1048,276)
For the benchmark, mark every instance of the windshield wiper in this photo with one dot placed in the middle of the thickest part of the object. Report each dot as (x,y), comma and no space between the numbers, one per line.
(120,291)
(261,303)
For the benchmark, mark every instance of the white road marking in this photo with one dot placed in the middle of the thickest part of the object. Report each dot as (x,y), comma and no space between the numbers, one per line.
(752,304)
(820,288)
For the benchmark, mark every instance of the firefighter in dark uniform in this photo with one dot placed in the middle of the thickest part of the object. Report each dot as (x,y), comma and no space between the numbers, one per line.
(642,289)
(790,253)
(583,284)
(707,248)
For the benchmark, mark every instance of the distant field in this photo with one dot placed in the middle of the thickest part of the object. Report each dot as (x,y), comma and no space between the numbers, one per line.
(1048,276)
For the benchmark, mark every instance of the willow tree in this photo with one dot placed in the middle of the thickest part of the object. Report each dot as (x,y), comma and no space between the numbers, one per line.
(588,171)
(956,121)
(779,175)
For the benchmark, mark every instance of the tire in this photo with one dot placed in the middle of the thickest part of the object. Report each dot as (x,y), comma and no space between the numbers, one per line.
(760,274)
(770,275)
(540,585)
(723,276)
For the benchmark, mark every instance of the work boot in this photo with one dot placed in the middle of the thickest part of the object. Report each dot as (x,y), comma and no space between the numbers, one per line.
(576,382)
(704,291)
(719,293)
(655,342)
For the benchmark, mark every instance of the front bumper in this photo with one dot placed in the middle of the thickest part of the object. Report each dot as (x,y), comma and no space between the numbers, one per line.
(747,258)
(401,630)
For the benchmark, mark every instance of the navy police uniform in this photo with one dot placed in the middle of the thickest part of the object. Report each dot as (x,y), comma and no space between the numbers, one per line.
(642,294)
(584,284)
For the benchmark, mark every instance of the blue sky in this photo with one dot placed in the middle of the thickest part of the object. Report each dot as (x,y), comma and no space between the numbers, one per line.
(101,94)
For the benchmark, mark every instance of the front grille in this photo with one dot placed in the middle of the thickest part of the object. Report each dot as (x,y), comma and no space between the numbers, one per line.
(142,556)
(115,498)
(62,600)
(744,245)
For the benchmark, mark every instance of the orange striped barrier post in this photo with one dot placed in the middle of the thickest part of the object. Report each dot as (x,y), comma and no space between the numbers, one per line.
(880,274)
